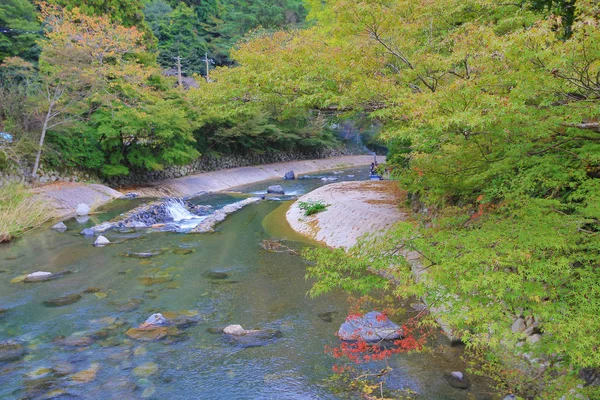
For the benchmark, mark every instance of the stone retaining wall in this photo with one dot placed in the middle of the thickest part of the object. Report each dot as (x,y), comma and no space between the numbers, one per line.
(213,163)
(20,175)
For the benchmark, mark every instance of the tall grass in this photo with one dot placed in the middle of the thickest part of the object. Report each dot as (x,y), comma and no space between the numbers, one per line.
(20,211)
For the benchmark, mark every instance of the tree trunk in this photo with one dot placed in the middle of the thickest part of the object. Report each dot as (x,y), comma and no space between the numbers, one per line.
(41,144)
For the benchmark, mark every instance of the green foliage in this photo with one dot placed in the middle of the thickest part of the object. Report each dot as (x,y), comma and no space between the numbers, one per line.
(19,211)
(21,18)
(312,207)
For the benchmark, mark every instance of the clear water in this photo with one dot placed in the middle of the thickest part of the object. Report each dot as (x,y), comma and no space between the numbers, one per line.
(264,290)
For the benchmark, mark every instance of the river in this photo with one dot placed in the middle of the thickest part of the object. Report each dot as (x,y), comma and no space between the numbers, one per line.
(81,350)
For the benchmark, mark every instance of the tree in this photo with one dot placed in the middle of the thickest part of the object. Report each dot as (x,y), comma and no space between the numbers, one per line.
(80,58)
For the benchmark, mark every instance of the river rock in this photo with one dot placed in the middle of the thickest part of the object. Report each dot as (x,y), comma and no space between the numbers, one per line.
(154,320)
(11,350)
(88,232)
(216,275)
(76,341)
(42,276)
(327,316)
(103,227)
(82,209)
(289,175)
(236,334)
(38,276)
(152,334)
(82,219)
(60,227)
(87,375)
(518,325)
(101,241)
(63,301)
(275,189)
(372,327)
(457,380)
(145,370)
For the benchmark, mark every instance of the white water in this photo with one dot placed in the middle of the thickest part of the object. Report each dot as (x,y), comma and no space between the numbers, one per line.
(185,220)
(178,211)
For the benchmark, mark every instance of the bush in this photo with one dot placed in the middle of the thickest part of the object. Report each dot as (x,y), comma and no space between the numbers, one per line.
(312,207)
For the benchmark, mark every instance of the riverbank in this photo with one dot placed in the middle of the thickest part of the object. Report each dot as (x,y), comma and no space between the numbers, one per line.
(62,198)
(354,209)
(225,179)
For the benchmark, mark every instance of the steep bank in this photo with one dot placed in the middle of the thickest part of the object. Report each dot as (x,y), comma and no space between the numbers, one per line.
(355,209)
(228,178)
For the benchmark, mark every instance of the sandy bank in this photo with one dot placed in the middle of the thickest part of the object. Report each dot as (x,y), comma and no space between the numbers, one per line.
(355,208)
(228,178)
(64,197)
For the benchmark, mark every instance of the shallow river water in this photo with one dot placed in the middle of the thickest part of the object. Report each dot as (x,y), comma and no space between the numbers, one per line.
(81,350)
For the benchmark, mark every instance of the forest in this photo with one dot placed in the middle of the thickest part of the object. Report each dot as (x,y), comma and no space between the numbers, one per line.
(490,111)
(93,85)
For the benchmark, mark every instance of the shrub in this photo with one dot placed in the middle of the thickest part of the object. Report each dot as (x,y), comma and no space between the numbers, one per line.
(312,207)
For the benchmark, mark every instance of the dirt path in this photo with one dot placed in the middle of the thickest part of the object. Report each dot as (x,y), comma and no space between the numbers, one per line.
(355,208)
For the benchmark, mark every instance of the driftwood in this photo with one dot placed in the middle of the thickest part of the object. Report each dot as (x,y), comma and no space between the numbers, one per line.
(276,246)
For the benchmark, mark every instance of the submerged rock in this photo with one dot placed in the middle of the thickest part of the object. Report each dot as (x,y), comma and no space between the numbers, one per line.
(152,334)
(60,227)
(275,189)
(87,375)
(457,380)
(183,251)
(216,275)
(88,232)
(11,350)
(145,370)
(82,209)
(327,316)
(143,255)
(372,327)
(236,334)
(128,305)
(63,301)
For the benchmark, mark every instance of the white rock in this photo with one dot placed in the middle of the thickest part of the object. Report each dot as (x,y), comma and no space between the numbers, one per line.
(101,241)
(38,276)
(234,330)
(61,227)
(83,209)
(458,375)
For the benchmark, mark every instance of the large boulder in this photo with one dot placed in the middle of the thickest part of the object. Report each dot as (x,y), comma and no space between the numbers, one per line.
(289,175)
(275,189)
(82,209)
(371,327)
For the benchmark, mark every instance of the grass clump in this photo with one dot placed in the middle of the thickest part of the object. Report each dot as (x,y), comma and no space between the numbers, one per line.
(19,211)
(312,207)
